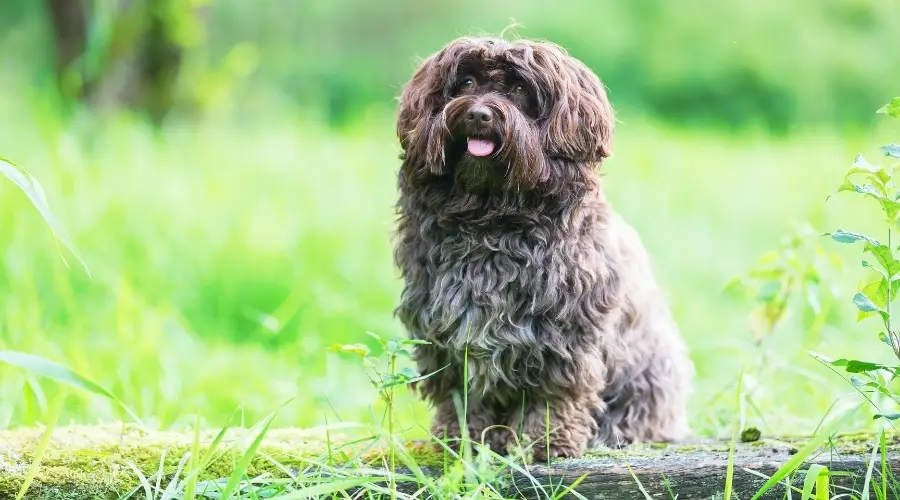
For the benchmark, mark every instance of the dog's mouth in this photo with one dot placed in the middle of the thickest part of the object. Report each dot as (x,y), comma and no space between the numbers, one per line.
(480,147)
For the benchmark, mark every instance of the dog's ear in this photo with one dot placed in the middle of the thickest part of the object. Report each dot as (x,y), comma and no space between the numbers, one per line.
(580,122)
(419,102)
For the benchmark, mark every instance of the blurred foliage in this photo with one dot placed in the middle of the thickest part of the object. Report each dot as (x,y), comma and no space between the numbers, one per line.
(726,64)
(228,250)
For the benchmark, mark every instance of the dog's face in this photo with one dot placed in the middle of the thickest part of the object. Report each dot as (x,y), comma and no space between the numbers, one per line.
(495,115)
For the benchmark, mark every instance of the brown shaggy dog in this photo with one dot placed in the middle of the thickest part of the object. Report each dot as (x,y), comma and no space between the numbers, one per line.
(515,265)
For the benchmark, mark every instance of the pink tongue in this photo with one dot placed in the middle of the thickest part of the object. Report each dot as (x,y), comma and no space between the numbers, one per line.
(480,147)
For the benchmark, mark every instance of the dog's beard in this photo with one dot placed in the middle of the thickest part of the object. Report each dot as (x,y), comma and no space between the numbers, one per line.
(516,161)
(477,173)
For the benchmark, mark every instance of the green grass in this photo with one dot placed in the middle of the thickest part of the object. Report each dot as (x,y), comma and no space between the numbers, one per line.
(227,257)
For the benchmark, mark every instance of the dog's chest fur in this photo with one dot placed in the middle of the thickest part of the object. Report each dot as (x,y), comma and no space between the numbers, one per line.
(508,303)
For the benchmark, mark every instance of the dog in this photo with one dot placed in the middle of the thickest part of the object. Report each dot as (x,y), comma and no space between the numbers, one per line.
(525,285)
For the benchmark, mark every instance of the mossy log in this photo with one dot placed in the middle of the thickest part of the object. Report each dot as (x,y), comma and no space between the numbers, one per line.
(98,462)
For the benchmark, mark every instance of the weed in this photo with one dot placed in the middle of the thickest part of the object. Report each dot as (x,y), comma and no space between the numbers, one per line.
(878,293)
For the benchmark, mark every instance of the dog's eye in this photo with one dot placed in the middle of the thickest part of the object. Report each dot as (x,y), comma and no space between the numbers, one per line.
(519,90)
(466,83)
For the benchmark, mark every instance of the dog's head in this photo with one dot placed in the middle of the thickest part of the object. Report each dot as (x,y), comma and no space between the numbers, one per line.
(497,114)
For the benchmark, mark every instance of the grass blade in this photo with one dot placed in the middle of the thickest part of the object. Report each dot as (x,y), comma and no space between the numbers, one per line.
(148,489)
(571,487)
(807,450)
(51,369)
(191,482)
(242,465)
(171,490)
(884,468)
(41,447)
(814,479)
(729,472)
(55,371)
(868,481)
(639,484)
(33,190)
(322,489)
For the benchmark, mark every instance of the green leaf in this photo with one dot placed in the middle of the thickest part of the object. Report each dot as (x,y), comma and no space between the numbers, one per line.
(892,150)
(405,376)
(885,257)
(856,366)
(415,342)
(358,349)
(842,236)
(890,207)
(392,346)
(872,172)
(861,165)
(33,190)
(377,337)
(864,304)
(847,185)
(877,293)
(888,416)
(891,109)
(870,190)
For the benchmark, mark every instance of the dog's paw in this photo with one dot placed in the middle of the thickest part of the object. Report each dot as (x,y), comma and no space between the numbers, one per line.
(557,450)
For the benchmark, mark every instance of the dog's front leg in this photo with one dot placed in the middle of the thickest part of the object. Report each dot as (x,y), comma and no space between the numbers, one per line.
(447,425)
(558,428)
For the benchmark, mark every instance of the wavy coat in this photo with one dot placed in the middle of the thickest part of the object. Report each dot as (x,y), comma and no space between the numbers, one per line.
(517,265)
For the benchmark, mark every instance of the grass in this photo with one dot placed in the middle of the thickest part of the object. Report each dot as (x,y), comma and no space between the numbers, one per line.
(227,257)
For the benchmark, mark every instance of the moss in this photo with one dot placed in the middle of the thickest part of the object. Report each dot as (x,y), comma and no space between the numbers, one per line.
(426,455)
(631,452)
(750,434)
(93,462)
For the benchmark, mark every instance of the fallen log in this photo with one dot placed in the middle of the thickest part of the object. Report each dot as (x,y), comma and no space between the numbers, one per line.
(100,462)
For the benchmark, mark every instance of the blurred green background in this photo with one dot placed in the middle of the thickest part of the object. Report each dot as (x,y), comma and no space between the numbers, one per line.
(227,170)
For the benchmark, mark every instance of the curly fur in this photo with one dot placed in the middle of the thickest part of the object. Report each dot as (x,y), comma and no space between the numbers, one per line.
(517,264)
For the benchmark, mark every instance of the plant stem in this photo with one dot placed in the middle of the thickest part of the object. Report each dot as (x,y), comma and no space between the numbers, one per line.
(889,285)
(390,410)
(895,345)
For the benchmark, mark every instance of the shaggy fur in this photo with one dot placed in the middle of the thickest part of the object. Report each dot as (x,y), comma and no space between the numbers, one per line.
(516,262)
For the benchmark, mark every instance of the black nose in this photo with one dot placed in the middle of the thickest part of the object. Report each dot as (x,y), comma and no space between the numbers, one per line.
(479,114)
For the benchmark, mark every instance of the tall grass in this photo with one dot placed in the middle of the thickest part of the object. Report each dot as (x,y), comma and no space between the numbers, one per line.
(226,257)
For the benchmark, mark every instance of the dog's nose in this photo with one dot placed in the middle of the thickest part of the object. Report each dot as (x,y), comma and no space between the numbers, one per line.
(479,114)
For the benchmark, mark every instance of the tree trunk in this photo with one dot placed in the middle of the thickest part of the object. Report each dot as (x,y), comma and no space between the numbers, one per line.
(137,68)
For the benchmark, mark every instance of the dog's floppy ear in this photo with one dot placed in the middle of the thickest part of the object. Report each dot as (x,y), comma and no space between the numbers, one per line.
(419,101)
(580,121)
